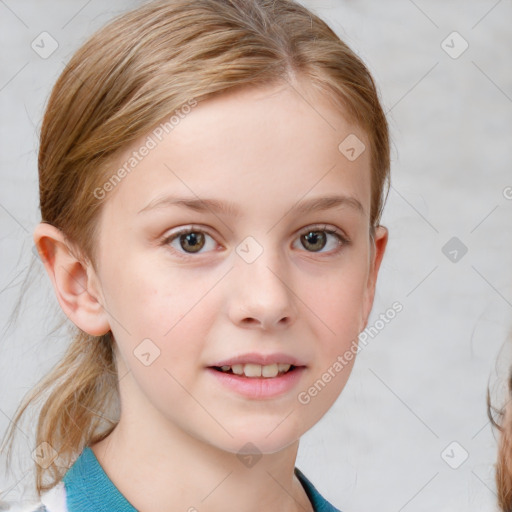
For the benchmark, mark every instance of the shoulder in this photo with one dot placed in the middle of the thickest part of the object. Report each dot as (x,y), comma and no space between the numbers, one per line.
(53,500)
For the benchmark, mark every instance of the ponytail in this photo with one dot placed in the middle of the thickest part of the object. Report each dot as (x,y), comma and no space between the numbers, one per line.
(81,385)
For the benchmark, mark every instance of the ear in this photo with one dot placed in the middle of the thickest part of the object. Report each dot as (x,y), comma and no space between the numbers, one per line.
(75,282)
(376,254)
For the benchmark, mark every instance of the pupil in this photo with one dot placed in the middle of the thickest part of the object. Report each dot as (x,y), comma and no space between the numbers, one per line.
(192,240)
(313,237)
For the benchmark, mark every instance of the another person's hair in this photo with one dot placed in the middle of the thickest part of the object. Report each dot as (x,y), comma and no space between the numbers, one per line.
(131,74)
(503,467)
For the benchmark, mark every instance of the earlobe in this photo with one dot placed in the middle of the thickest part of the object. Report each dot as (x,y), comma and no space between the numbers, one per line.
(74,281)
(377,253)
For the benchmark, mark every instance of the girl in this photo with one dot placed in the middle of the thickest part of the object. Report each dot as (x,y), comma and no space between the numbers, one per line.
(212,177)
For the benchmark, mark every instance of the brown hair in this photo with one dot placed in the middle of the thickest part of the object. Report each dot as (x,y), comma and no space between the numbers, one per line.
(128,76)
(503,467)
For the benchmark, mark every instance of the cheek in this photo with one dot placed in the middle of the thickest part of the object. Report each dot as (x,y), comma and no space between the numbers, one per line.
(146,294)
(338,308)
(339,303)
(165,305)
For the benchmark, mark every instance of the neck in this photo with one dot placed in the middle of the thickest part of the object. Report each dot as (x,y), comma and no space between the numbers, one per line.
(163,469)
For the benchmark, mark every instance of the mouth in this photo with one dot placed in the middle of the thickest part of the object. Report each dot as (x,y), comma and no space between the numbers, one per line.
(258,381)
(253,371)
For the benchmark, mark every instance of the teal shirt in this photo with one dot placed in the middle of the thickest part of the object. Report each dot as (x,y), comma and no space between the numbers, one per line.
(89,489)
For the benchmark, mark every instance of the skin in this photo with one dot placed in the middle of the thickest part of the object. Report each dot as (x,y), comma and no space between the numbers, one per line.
(264,149)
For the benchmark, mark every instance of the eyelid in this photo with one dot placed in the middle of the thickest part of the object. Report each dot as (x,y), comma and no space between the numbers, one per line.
(190,228)
(326,227)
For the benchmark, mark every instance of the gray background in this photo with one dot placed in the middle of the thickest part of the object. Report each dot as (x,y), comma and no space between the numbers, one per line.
(420,384)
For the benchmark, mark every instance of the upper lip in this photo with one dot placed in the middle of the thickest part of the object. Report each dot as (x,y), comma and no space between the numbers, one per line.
(261,359)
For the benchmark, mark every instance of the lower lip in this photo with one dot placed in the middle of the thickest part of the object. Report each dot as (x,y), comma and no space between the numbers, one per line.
(260,388)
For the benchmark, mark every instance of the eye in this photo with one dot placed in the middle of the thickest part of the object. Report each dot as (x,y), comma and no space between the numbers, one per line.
(192,240)
(316,238)
(188,241)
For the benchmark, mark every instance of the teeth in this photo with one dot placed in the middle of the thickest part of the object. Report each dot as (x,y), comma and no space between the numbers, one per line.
(257,370)
(269,370)
(238,369)
(252,370)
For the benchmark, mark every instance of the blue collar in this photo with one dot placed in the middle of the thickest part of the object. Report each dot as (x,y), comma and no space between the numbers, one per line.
(89,489)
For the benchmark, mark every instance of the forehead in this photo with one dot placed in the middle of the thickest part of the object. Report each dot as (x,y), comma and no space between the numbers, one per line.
(253,146)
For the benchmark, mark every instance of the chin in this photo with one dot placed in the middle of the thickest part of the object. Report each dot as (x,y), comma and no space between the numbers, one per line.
(267,437)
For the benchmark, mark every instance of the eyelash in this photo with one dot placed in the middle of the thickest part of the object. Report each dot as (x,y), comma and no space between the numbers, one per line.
(342,239)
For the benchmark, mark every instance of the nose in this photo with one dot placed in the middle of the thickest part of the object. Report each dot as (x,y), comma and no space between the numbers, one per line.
(261,294)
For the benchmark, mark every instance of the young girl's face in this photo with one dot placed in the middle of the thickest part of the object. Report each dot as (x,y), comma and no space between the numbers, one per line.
(271,274)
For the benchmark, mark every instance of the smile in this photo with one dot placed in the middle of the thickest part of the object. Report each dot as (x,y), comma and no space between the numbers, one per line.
(258,382)
(256,370)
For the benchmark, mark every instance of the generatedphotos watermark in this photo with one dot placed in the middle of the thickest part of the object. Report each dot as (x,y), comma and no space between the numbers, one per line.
(304,397)
(150,143)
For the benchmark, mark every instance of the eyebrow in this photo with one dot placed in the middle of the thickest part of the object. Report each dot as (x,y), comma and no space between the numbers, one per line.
(230,208)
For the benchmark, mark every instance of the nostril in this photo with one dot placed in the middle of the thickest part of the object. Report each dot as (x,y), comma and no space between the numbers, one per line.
(250,321)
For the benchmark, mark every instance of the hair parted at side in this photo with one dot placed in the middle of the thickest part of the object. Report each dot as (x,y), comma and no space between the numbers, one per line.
(131,74)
